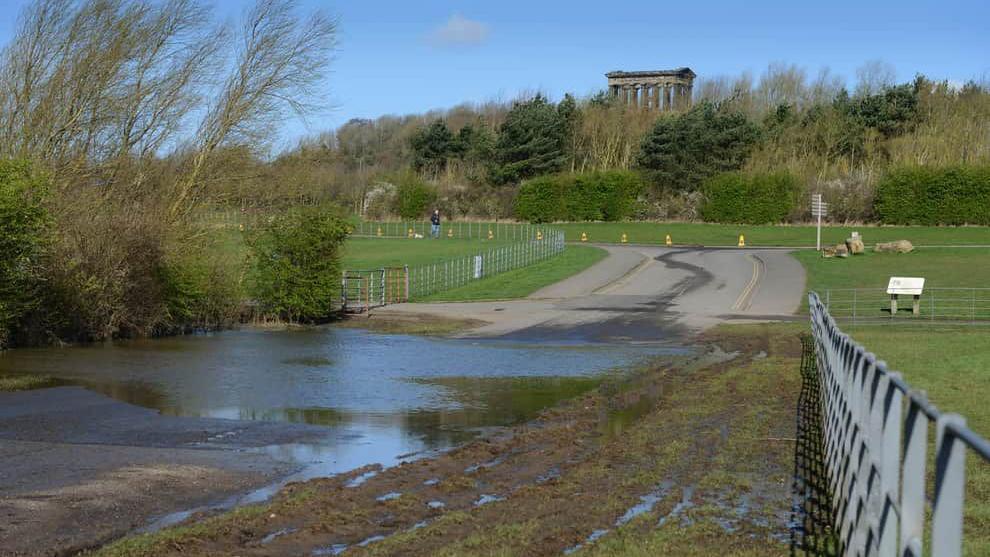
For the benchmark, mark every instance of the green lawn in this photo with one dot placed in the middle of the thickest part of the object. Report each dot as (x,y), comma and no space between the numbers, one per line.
(375,253)
(951,268)
(798,236)
(520,283)
(941,267)
(953,366)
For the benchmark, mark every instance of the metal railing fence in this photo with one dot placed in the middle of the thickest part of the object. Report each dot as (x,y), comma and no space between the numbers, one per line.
(510,231)
(425,280)
(877,449)
(362,290)
(952,305)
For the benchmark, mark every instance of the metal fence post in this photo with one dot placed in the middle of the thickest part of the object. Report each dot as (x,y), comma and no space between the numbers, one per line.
(950,487)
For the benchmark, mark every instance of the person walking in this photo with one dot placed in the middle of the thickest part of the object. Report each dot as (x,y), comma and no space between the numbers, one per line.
(435,223)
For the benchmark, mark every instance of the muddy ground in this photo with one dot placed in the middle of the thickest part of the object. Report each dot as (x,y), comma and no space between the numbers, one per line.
(691,457)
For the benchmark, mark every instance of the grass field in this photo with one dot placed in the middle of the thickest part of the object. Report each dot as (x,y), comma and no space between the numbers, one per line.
(953,366)
(941,267)
(375,253)
(685,233)
(523,282)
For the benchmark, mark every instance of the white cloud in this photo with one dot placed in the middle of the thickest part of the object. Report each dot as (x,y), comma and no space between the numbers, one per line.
(459,31)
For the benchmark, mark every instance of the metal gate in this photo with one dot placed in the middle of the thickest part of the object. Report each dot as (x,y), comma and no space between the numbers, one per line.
(362,291)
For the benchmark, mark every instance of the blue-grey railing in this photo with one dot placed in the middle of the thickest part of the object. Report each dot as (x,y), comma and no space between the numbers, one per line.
(877,449)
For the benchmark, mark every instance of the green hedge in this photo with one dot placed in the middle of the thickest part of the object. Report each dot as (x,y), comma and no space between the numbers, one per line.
(736,197)
(930,196)
(592,196)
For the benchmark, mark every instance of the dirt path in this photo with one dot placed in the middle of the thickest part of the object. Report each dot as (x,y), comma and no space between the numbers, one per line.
(641,294)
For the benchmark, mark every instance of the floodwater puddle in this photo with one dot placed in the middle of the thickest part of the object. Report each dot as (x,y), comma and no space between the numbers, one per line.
(381,399)
(646,503)
(487,498)
(358,480)
(684,504)
(276,534)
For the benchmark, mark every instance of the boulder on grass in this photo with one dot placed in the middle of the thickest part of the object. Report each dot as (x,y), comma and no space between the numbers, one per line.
(900,246)
(855,245)
(841,250)
(828,252)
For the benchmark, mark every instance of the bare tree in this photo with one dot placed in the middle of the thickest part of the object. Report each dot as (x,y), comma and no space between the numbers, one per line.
(874,76)
(280,62)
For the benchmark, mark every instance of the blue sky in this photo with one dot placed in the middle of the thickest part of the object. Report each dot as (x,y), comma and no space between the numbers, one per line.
(398,57)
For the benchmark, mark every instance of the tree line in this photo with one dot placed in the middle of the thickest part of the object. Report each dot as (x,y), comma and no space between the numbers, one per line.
(472,160)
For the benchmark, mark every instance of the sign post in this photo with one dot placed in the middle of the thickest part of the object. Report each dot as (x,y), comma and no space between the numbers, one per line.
(819,209)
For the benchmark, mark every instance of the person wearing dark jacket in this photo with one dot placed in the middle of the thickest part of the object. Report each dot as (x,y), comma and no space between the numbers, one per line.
(435,222)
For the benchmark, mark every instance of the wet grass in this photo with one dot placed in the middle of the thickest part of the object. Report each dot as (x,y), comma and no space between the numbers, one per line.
(12,383)
(520,283)
(688,233)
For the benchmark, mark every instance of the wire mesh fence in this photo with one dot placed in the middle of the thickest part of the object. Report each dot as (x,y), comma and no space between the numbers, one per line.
(944,305)
(877,447)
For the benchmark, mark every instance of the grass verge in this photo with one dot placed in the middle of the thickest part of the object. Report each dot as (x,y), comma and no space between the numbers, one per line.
(709,234)
(520,283)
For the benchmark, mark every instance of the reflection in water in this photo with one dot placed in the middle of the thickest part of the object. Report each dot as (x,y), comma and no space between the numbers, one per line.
(381,396)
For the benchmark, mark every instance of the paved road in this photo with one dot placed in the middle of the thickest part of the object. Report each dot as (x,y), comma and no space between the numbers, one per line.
(78,468)
(643,294)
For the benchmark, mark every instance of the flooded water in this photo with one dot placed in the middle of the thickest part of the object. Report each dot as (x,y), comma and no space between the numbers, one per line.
(382,398)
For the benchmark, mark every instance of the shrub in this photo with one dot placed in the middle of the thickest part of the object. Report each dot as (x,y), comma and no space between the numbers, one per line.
(413,196)
(735,197)
(952,195)
(23,235)
(298,263)
(607,195)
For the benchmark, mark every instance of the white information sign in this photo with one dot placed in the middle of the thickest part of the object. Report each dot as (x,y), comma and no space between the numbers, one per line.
(905,285)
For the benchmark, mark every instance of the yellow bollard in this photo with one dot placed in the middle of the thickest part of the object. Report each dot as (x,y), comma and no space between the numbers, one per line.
(411,233)
(624,238)
(450,232)
(584,237)
(379,231)
(539,234)
(491,236)
(742,241)
(668,241)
